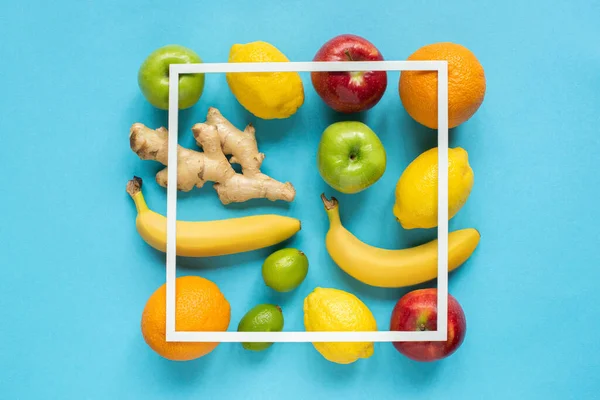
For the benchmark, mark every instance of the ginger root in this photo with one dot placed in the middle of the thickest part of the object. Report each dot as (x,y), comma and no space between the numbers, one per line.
(218,138)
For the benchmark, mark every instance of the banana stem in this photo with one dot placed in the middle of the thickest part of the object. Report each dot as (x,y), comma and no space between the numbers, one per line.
(332,210)
(134,189)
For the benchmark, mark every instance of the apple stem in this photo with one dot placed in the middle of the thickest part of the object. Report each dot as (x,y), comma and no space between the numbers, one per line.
(348,55)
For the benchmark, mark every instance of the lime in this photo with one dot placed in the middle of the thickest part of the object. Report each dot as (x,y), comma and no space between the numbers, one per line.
(285,269)
(262,318)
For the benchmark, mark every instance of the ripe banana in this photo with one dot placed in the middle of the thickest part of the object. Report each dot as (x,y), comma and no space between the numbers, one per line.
(392,268)
(210,238)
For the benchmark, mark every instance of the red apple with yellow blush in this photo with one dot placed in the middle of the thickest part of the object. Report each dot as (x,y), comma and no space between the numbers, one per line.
(349,92)
(417,311)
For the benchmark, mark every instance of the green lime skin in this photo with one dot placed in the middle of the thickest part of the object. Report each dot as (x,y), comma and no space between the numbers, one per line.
(262,318)
(285,269)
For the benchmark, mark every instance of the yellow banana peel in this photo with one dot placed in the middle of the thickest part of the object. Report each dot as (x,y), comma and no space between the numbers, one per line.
(392,268)
(210,238)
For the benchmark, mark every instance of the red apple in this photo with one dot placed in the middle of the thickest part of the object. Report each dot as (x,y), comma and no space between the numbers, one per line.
(349,92)
(417,311)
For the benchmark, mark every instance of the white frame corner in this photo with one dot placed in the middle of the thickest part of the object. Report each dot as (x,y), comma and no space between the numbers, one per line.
(376,336)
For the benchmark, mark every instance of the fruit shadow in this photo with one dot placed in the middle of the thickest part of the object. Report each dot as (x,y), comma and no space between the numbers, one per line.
(250,358)
(419,374)
(259,203)
(154,117)
(415,237)
(333,116)
(461,133)
(425,138)
(456,277)
(145,113)
(333,373)
(422,137)
(227,261)
(184,372)
(283,299)
(166,373)
(267,130)
(362,290)
(454,135)
(207,263)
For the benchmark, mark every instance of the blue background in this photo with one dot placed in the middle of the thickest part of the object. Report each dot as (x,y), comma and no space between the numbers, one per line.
(76,275)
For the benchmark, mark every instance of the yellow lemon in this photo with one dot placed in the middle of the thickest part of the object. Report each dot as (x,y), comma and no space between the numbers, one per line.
(416,192)
(267,95)
(336,310)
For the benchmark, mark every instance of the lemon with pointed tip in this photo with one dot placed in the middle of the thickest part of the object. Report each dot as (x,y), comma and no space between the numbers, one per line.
(267,95)
(417,189)
(335,310)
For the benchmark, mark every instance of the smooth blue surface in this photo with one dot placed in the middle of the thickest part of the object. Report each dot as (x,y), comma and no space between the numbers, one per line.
(76,275)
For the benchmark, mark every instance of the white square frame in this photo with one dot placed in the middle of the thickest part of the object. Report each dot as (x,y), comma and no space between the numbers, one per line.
(338,66)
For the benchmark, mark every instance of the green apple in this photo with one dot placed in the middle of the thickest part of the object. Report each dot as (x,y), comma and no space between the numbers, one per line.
(350,157)
(153,77)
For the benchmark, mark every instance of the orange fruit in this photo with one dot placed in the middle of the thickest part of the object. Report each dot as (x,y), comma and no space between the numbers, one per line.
(199,306)
(466,85)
